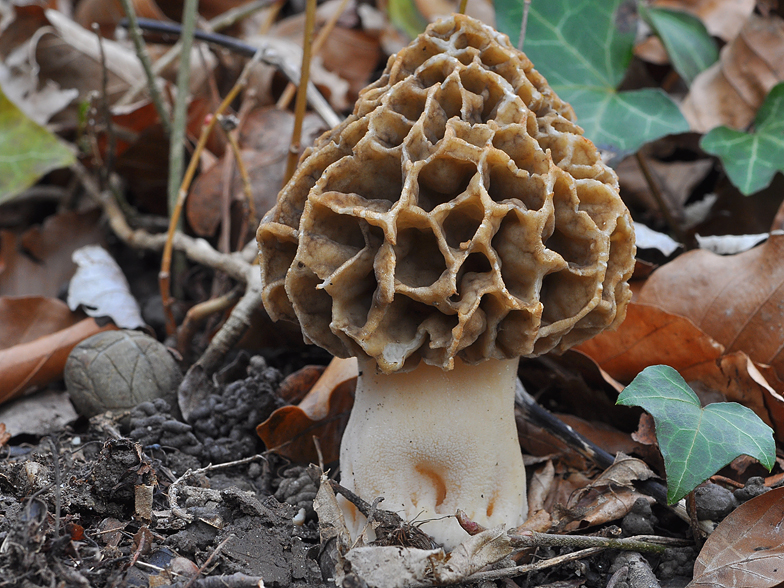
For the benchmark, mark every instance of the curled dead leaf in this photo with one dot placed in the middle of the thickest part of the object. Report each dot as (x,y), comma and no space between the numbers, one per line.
(651,335)
(747,548)
(323,413)
(101,289)
(36,363)
(722,18)
(39,260)
(736,299)
(25,318)
(608,498)
(731,90)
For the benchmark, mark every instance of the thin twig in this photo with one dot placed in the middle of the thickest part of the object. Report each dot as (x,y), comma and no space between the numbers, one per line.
(144,57)
(541,565)
(199,312)
(304,77)
(164,276)
(218,23)
(247,187)
(106,112)
(176,164)
(646,543)
(270,57)
(177,137)
(235,265)
(463,5)
(212,556)
(523,24)
(321,38)
(57,485)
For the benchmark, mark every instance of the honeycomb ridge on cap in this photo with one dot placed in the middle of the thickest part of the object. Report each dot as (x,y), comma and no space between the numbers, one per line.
(458,211)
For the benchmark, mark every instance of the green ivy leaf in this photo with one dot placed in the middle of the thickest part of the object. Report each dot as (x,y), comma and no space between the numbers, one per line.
(27,151)
(752,159)
(583,48)
(688,42)
(696,442)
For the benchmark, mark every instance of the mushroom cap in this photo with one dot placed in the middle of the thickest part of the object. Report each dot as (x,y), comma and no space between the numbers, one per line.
(459,211)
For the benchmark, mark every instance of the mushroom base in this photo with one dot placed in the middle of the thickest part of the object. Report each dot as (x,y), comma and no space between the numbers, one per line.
(431,442)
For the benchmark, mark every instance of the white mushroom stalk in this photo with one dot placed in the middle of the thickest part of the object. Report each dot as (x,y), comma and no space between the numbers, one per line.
(432,441)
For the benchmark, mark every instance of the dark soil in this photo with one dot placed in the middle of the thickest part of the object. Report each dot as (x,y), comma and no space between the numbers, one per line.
(94,507)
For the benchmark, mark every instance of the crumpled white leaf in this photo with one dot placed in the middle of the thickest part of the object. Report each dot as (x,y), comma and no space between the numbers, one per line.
(731,244)
(404,567)
(647,238)
(21,86)
(100,288)
(407,567)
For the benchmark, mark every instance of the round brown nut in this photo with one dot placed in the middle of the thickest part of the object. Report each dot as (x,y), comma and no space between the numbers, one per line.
(458,212)
(116,370)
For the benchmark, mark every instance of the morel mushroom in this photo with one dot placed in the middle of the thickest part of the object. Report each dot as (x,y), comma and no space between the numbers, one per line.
(456,221)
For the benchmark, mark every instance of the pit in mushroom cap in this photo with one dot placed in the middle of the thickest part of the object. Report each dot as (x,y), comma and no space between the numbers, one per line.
(457,213)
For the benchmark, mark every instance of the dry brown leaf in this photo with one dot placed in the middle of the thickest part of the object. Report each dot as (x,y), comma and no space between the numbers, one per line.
(26,21)
(731,90)
(5,436)
(129,122)
(203,207)
(651,335)
(36,363)
(39,260)
(737,299)
(24,319)
(265,136)
(677,180)
(351,54)
(747,548)
(207,8)
(608,498)
(296,386)
(108,13)
(577,384)
(323,413)
(539,442)
(69,55)
(722,18)
(539,487)
(646,431)
(38,99)
(652,50)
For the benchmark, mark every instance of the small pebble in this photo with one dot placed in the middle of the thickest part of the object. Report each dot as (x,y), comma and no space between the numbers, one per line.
(714,502)
(753,488)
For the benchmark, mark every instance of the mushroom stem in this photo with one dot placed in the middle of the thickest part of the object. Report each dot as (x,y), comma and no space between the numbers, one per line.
(432,441)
